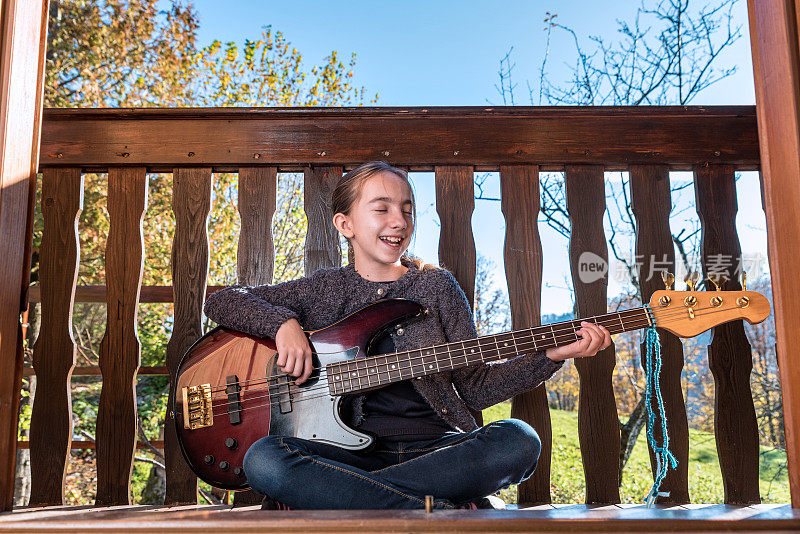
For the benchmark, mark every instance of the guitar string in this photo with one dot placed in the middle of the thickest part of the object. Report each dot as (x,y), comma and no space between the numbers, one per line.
(523,340)
(524,343)
(300,399)
(568,329)
(369,384)
(326,387)
(521,347)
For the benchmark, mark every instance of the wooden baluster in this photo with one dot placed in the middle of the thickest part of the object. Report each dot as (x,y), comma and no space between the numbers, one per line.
(729,354)
(255,260)
(54,352)
(257,197)
(322,240)
(120,349)
(651,203)
(519,186)
(455,202)
(191,202)
(598,426)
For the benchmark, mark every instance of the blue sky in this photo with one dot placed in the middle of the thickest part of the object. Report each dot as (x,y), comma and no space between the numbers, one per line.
(417,53)
(426,53)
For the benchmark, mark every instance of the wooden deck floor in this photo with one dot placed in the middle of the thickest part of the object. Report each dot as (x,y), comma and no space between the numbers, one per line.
(556,518)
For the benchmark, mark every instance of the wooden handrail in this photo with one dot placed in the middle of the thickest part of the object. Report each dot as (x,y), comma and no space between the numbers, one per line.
(483,137)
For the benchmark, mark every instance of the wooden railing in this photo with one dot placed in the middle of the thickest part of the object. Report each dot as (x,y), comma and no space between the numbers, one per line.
(322,143)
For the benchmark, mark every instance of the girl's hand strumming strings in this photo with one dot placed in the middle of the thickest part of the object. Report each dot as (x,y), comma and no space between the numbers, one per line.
(294,352)
(593,339)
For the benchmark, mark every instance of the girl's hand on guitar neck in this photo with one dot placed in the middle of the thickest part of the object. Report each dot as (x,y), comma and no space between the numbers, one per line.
(593,339)
(294,352)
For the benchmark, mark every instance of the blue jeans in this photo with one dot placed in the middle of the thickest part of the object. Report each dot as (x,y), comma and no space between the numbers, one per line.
(456,468)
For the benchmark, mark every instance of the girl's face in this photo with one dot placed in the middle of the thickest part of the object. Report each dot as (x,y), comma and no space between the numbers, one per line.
(380,224)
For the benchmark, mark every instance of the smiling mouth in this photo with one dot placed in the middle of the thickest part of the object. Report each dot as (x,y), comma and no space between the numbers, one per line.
(392,241)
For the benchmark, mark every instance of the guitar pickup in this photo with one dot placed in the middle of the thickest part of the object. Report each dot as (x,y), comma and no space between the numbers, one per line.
(234,400)
(282,393)
(197,407)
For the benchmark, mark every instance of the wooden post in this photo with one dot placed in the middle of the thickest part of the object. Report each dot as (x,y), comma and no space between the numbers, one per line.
(776,65)
(54,352)
(651,202)
(598,425)
(729,354)
(191,203)
(23,36)
(455,202)
(256,252)
(120,350)
(322,240)
(522,256)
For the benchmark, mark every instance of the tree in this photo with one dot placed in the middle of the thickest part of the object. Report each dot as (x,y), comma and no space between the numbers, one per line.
(765,379)
(668,54)
(144,53)
(117,53)
(492,313)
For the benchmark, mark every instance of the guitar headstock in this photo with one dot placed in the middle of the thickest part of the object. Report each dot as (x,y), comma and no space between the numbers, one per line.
(689,313)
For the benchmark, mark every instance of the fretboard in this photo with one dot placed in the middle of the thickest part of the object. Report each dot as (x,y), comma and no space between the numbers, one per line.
(375,371)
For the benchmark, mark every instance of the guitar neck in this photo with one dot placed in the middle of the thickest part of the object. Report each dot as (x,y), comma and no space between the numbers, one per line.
(374,371)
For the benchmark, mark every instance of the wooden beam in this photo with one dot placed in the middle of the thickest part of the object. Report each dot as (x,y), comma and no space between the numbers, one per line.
(228,138)
(150,294)
(575,518)
(94,370)
(88,444)
(23,36)
(776,65)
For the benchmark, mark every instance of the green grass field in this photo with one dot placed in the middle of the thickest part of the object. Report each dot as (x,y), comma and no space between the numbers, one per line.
(705,480)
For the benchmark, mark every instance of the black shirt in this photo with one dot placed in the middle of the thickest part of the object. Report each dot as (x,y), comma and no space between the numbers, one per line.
(397,412)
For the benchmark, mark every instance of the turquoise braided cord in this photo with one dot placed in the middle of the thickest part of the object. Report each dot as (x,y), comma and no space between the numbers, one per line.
(664,458)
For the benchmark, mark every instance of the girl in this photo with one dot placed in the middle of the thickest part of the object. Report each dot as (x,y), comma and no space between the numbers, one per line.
(427,441)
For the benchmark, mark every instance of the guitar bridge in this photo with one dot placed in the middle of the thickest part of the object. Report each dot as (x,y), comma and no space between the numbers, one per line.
(197,408)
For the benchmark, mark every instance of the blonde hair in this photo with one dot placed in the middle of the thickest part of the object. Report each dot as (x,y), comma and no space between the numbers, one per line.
(348,190)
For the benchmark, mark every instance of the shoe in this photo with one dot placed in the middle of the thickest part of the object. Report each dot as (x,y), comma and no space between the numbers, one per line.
(268,503)
(490,502)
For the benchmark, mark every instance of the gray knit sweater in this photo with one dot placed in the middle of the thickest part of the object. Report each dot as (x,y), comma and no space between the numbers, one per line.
(328,295)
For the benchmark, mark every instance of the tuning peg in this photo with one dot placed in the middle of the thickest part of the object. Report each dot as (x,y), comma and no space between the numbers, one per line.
(718,279)
(691,280)
(668,279)
(744,281)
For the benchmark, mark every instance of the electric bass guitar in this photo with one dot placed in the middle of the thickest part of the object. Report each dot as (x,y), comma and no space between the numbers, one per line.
(231,393)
